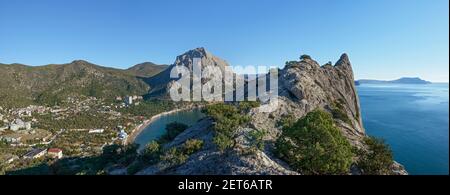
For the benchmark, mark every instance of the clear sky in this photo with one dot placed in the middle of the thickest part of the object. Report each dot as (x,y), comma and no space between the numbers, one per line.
(385,39)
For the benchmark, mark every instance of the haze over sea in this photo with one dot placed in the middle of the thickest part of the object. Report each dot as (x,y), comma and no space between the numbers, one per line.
(414,121)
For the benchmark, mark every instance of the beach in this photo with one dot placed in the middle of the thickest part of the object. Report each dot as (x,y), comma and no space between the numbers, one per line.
(138,129)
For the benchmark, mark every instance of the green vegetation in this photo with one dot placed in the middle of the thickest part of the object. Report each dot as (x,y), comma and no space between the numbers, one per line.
(377,160)
(49,85)
(192,145)
(246,106)
(151,153)
(172,131)
(135,167)
(174,157)
(148,108)
(305,57)
(286,121)
(227,119)
(338,112)
(223,141)
(313,145)
(112,155)
(256,138)
(290,63)
(82,120)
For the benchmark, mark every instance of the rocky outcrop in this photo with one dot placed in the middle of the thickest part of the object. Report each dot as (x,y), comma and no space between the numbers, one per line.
(210,161)
(303,86)
(162,82)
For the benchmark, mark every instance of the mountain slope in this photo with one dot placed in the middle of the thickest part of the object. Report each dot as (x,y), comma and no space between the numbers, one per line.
(50,84)
(146,69)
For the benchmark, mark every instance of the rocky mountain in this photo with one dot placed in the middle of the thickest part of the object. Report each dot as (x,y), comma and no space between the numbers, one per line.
(403,80)
(50,84)
(162,82)
(303,87)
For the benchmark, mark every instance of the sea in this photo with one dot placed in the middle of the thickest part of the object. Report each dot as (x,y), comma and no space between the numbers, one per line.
(413,119)
(158,127)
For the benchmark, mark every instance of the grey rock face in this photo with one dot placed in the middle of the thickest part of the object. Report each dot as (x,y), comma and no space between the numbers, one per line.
(162,82)
(209,161)
(303,87)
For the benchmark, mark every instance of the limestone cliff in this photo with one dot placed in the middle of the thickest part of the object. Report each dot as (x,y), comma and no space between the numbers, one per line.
(303,86)
(162,82)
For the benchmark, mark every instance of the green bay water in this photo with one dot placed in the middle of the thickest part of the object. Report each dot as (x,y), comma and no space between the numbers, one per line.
(157,128)
(413,120)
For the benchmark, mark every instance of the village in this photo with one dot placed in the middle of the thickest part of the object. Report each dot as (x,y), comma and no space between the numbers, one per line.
(79,127)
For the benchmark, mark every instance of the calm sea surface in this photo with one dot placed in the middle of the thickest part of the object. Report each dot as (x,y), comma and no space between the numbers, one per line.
(157,128)
(414,121)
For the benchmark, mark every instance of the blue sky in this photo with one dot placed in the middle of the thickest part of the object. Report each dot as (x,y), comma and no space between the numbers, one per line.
(385,39)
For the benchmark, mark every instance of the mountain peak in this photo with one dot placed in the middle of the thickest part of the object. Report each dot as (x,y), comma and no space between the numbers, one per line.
(343,60)
(142,65)
(80,62)
(199,52)
(206,57)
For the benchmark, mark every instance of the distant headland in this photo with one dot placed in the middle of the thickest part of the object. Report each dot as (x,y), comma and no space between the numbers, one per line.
(403,80)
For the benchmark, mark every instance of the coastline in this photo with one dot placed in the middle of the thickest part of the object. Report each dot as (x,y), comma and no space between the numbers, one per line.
(138,129)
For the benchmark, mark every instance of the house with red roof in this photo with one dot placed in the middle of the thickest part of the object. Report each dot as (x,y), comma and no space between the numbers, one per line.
(55,153)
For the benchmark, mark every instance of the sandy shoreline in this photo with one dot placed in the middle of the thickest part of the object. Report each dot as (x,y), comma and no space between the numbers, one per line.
(138,129)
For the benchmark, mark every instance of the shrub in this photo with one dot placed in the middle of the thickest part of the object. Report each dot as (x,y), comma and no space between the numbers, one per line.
(172,131)
(337,110)
(174,157)
(227,119)
(135,167)
(305,57)
(257,139)
(151,153)
(290,63)
(286,121)
(313,145)
(192,145)
(245,106)
(223,142)
(378,159)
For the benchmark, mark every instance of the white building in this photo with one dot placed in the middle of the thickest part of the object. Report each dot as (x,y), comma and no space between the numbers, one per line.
(19,124)
(96,130)
(129,100)
(123,135)
(55,153)
(35,153)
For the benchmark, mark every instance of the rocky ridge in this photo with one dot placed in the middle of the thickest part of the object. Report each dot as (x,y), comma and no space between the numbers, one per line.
(303,86)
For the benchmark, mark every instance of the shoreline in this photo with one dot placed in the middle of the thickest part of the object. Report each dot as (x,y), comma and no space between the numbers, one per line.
(138,129)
